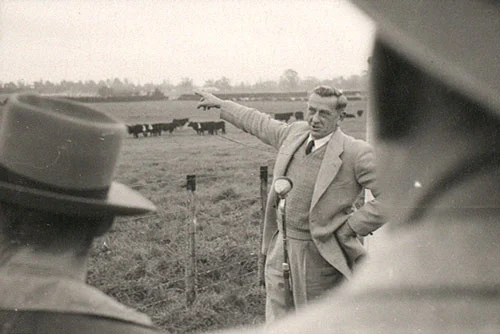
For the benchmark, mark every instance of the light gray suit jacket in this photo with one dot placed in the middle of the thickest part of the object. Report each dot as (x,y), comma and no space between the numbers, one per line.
(347,168)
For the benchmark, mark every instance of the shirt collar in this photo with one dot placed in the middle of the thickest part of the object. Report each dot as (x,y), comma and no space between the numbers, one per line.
(319,142)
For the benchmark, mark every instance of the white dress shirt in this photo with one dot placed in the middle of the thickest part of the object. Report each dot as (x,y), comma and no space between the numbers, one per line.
(319,142)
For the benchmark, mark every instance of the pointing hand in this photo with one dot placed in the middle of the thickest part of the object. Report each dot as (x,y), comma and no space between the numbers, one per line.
(207,100)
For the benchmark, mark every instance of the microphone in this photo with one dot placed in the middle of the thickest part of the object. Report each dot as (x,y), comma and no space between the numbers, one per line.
(282,186)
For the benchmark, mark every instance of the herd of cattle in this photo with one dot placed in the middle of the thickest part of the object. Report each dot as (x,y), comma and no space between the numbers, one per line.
(156,129)
(210,127)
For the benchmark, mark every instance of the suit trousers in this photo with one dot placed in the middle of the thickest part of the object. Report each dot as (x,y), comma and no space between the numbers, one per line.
(311,275)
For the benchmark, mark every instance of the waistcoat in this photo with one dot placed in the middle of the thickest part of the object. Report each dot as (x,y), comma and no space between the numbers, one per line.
(303,171)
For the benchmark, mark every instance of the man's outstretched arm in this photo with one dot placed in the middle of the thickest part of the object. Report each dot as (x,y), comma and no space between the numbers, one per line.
(259,124)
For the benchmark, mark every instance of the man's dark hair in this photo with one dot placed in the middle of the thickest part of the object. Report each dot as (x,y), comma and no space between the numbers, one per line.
(49,232)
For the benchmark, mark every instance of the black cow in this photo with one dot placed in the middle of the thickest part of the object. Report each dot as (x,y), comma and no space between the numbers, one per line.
(196,126)
(147,129)
(135,129)
(210,127)
(359,113)
(170,127)
(180,122)
(220,126)
(156,129)
(159,127)
(284,116)
(299,115)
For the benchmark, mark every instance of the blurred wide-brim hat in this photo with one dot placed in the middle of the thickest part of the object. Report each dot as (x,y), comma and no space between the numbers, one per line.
(60,156)
(456,41)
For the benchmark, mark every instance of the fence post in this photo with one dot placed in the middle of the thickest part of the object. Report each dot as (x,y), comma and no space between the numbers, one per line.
(190,270)
(263,199)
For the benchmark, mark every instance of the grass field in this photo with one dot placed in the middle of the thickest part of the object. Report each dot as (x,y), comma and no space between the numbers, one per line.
(141,262)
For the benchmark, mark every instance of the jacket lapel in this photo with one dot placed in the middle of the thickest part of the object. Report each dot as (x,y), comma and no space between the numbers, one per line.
(286,153)
(329,166)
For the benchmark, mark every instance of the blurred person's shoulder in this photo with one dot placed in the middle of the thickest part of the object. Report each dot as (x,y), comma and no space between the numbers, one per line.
(438,278)
(58,323)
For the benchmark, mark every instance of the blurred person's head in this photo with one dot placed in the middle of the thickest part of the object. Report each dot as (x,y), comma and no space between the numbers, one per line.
(325,110)
(51,233)
(436,100)
(57,162)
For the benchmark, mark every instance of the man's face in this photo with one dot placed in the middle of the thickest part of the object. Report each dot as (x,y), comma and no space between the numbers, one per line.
(322,116)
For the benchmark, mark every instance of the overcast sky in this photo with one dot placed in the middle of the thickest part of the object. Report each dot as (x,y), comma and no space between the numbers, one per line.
(151,41)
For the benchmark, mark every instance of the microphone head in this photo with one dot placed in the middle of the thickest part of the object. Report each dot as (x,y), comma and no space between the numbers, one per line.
(282,186)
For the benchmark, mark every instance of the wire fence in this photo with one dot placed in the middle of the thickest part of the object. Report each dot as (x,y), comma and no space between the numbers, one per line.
(196,277)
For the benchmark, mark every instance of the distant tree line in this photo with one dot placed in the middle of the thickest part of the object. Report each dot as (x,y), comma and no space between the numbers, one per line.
(289,81)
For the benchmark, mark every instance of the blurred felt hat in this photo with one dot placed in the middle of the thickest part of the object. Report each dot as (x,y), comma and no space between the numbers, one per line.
(456,41)
(60,156)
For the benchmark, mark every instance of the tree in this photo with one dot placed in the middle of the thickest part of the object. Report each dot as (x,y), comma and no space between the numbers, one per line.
(38,86)
(266,86)
(105,91)
(185,86)
(209,83)
(158,93)
(309,83)
(223,84)
(118,87)
(290,80)
(22,85)
(166,86)
(10,87)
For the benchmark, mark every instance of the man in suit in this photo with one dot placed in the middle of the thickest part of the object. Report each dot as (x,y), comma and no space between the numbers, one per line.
(57,160)
(329,170)
(436,97)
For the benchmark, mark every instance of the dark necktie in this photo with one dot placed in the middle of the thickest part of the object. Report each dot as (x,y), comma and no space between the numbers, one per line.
(309,147)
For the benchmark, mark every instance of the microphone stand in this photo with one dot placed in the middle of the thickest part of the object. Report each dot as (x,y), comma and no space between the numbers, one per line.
(282,186)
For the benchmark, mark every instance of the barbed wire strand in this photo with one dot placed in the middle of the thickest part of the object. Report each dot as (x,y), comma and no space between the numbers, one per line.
(224,266)
(141,308)
(182,183)
(227,280)
(127,293)
(183,212)
(243,144)
(252,147)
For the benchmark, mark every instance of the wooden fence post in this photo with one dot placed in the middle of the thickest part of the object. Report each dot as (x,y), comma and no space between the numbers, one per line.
(190,270)
(263,200)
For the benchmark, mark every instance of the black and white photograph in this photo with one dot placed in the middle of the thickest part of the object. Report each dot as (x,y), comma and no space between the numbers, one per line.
(237,166)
